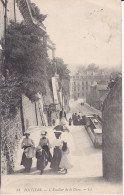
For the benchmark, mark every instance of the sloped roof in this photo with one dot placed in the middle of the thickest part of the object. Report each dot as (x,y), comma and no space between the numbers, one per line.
(102,87)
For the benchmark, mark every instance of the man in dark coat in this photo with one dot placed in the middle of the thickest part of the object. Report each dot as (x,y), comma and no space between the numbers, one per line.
(61,113)
(76,119)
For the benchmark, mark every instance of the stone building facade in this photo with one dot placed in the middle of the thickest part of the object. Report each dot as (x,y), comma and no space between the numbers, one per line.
(81,82)
(97,95)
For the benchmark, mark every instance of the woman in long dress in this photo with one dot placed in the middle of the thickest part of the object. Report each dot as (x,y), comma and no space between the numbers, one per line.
(26,143)
(44,143)
(65,163)
(62,117)
(57,145)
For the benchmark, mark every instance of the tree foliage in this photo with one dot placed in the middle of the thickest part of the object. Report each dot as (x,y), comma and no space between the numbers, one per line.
(63,72)
(36,13)
(26,56)
(113,81)
(62,69)
(92,67)
(26,61)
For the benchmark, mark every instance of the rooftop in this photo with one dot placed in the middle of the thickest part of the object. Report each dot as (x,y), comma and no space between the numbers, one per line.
(102,87)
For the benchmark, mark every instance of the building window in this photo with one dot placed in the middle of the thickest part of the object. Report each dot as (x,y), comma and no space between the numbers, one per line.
(86,85)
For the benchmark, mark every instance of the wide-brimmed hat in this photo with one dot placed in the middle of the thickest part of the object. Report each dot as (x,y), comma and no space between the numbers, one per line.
(57,132)
(27,132)
(43,132)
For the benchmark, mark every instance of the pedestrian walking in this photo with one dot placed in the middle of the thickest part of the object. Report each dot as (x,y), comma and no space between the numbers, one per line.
(73,115)
(57,146)
(78,123)
(28,146)
(45,144)
(42,159)
(62,117)
(83,120)
(53,122)
(76,119)
(70,121)
(65,163)
(49,116)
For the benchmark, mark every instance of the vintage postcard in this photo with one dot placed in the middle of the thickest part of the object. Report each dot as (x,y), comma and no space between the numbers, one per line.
(61,96)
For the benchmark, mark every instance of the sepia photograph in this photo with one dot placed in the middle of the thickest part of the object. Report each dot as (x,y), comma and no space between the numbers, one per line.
(61,97)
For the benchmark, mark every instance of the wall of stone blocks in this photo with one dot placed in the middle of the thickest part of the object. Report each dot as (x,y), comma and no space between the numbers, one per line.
(11,133)
(112,133)
(29,112)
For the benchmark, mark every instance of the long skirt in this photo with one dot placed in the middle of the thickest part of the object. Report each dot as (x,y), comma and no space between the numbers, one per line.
(63,121)
(41,159)
(41,163)
(56,158)
(65,163)
(47,150)
(26,162)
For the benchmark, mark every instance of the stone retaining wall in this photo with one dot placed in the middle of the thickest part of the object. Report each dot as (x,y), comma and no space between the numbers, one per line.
(112,133)
(11,133)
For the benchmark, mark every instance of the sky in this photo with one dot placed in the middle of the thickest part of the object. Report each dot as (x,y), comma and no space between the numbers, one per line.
(84,31)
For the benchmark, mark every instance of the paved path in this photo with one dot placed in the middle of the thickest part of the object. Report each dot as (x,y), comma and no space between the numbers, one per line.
(84,157)
(85,177)
(84,110)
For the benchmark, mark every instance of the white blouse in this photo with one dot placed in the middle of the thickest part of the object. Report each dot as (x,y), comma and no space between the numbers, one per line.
(57,142)
(27,142)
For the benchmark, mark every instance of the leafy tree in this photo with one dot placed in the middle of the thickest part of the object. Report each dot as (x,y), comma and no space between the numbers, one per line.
(63,72)
(26,62)
(113,81)
(62,69)
(36,13)
(92,67)
(26,56)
